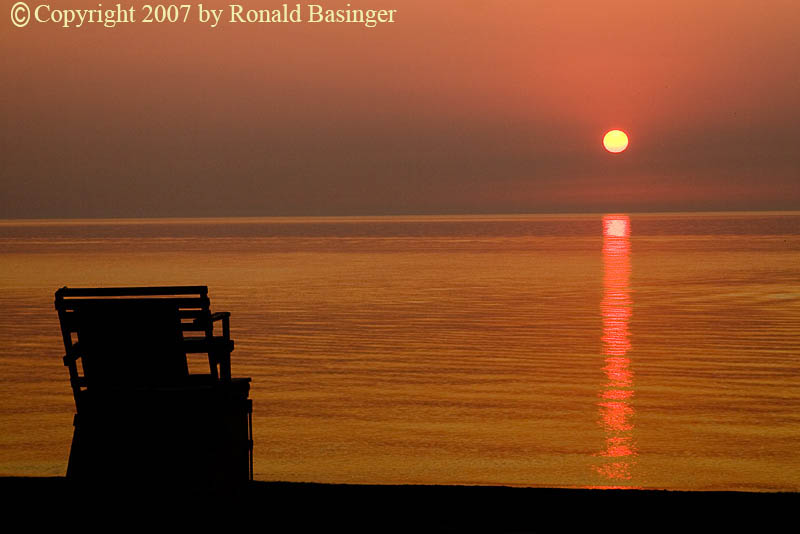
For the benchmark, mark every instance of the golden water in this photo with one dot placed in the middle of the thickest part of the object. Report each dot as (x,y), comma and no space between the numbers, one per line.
(658,351)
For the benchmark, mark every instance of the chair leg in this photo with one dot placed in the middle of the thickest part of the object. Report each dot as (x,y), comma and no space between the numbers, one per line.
(76,452)
(250,434)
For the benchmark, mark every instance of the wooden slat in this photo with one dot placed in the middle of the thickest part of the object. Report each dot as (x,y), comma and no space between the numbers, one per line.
(191,345)
(130,291)
(184,327)
(72,326)
(199,320)
(181,302)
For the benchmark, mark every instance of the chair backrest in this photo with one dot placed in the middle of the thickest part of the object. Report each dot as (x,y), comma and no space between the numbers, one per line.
(129,337)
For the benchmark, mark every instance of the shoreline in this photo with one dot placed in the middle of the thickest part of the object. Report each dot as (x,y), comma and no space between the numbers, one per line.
(415,507)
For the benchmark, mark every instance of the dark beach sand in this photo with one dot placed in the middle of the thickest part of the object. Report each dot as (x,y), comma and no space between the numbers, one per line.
(300,507)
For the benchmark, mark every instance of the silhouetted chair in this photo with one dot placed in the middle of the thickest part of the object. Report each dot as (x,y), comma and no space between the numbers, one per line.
(141,416)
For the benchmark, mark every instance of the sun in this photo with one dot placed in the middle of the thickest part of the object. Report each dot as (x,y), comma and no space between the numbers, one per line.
(615,141)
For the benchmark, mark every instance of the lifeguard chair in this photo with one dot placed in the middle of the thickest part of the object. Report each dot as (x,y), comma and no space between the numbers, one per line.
(141,416)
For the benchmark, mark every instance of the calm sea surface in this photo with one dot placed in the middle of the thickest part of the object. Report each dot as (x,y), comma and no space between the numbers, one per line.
(655,351)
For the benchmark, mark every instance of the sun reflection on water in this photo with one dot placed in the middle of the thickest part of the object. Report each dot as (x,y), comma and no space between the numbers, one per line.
(617,459)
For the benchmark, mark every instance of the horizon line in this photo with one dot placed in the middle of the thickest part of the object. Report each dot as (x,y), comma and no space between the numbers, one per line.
(406,216)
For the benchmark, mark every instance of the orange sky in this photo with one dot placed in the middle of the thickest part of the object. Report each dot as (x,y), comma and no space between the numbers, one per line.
(459,106)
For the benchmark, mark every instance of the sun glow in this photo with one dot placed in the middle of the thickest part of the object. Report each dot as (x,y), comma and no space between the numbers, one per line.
(616,407)
(615,141)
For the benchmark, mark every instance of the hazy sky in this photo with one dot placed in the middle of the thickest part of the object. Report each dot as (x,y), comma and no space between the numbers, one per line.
(459,106)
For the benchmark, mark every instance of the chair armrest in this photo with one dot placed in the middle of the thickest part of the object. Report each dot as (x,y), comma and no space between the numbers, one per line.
(198,345)
(226,322)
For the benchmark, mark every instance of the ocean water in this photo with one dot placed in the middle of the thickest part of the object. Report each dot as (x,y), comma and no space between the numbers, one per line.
(617,350)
